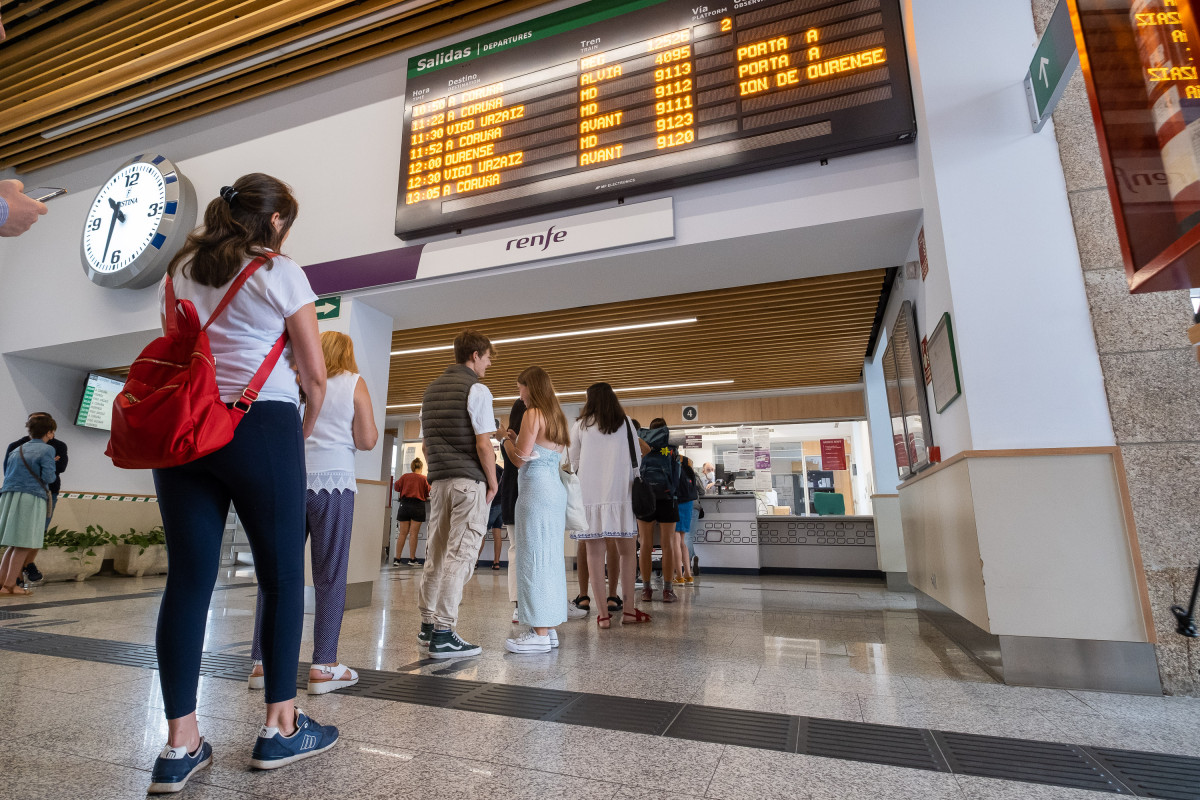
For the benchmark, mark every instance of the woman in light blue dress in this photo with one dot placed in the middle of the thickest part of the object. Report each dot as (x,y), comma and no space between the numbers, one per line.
(541,514)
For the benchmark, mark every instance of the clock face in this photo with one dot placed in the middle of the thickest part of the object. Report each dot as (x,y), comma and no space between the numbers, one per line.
(124,218)
(136,223)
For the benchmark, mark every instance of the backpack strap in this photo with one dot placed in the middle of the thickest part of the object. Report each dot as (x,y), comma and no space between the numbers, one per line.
(250,393)
(169,310)
(629,433)
(237,284)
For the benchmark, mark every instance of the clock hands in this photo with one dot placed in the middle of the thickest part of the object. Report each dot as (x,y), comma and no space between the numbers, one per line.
(118,214)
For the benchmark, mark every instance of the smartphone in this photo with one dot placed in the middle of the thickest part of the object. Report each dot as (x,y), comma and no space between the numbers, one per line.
(44,193)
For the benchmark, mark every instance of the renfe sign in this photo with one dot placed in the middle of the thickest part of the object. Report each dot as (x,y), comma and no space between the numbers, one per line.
(1139,60)
(538,240)
(636,223)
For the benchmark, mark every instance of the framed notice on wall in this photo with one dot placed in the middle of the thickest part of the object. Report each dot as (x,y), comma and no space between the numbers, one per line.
(943,364)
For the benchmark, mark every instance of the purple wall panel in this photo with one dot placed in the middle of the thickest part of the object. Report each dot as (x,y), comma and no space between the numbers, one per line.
(363,272)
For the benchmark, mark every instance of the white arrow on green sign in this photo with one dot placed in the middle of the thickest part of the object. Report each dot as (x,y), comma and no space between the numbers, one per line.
(329,307)
(1054,62)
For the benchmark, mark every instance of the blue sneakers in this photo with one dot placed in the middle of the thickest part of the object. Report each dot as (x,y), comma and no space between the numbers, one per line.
(273,749)
(175,765)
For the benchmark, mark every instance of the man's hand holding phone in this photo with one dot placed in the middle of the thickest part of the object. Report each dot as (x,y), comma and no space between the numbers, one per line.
(23,210)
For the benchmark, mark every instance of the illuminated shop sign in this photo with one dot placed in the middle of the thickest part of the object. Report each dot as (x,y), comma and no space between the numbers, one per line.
(607,99)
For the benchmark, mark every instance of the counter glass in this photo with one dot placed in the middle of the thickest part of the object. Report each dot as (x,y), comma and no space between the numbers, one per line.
(798,470)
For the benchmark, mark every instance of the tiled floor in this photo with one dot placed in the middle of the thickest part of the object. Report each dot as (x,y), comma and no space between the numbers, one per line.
(834,648)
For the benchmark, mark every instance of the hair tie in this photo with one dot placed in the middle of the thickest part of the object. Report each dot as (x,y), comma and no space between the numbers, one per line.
(228,193)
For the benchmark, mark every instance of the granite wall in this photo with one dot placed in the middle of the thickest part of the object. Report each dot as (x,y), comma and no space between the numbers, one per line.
(1152,381)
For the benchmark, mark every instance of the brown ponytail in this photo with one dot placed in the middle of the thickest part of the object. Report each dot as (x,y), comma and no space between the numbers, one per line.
(237,226)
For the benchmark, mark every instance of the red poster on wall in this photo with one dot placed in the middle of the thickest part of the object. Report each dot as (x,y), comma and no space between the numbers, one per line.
(923,253)
(925,360)
(901,450)
(833,454)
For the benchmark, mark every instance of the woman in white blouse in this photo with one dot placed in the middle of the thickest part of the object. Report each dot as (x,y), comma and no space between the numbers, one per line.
(346,424)
(604,453)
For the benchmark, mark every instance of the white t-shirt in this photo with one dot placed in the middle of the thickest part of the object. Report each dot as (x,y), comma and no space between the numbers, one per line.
(479,406)
(243,335)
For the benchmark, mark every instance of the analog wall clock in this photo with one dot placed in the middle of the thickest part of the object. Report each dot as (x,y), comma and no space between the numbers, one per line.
(138,220)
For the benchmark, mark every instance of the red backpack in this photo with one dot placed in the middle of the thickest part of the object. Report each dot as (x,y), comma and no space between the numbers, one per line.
(170,411)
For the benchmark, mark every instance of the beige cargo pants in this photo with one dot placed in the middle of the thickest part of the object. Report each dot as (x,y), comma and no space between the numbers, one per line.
(458,512)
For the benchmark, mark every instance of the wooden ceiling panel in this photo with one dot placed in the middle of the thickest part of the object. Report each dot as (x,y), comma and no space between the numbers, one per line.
(69,60)
(807,332)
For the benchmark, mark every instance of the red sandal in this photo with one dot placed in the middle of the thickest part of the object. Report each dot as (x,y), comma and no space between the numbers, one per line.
(637,614)
(603,620)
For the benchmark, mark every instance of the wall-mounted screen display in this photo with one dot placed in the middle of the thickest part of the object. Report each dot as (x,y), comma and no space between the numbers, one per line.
(1143,80)
(612,98)
(95,409)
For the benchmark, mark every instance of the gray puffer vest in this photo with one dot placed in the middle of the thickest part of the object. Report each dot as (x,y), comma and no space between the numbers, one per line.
(449,436)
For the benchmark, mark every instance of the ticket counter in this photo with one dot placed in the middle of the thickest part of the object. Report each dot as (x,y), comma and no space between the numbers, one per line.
(733,536)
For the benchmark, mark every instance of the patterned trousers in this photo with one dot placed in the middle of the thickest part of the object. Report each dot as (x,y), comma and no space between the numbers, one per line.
(330,517)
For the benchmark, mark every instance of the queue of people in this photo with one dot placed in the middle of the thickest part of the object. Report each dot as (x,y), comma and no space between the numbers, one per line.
(289,473)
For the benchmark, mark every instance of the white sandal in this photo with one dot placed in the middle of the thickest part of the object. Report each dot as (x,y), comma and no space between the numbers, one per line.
(256,681)
(339,677)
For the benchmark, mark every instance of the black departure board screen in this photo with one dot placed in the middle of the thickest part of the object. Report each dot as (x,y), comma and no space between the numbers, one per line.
(610,98)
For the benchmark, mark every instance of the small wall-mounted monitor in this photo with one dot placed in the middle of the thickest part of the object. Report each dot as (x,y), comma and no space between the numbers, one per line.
(95,408)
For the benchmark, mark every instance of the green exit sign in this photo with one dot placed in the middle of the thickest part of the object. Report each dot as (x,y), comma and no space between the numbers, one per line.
(329,307)
(1054,62)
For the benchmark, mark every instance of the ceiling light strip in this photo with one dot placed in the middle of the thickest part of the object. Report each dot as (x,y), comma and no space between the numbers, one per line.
(624,389)
(559,335)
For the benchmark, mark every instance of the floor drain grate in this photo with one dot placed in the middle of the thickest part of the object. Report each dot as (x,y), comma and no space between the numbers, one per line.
(1156,775)
(13,615)
(877,744)
(620,714)
(1023,760)
(525,702)
(733,726)
(225,665)
(1152,774)
(423,690)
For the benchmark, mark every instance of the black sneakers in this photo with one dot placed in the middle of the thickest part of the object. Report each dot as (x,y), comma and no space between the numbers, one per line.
(447,644)
(31,574)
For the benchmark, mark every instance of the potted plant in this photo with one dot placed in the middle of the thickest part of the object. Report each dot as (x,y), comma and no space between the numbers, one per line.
(73,555)
(139,554)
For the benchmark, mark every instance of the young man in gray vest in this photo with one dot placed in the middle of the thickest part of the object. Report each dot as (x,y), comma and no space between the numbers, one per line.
(457,424)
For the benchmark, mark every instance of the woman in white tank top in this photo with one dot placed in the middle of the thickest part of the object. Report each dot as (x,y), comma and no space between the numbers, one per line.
(346,424)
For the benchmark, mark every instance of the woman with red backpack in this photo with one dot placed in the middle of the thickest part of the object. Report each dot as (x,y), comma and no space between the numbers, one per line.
(255,299)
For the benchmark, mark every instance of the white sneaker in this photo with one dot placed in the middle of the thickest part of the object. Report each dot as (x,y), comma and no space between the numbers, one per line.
(335,677)
(553,638)
(515,620)
(528,642)
(256,681)
(575,612)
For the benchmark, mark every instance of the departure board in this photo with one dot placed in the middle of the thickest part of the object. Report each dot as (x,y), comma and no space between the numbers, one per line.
(610,98)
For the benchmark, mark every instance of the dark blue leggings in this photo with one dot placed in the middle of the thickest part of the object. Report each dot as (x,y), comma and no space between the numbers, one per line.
(262,473)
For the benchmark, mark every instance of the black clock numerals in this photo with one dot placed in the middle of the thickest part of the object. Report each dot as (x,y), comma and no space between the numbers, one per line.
(153,210)
(116,257)
(131,179)
(95,224)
